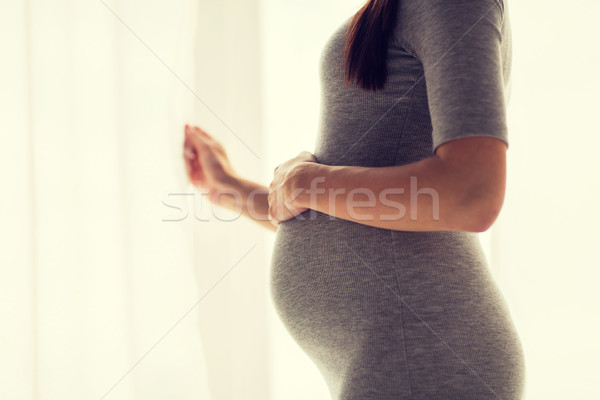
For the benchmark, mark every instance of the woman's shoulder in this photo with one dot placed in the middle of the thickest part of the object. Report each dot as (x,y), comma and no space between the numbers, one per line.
(420,23)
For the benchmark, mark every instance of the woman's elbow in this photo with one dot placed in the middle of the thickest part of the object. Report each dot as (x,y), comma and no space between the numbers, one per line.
(481,214)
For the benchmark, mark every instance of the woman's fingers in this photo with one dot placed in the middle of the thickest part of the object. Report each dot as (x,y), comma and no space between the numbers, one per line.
(195,172)
(189,152)
(192,162)
(196,133)
(195,138)
(191,149)
(307,156)
(200,131)
(210,161)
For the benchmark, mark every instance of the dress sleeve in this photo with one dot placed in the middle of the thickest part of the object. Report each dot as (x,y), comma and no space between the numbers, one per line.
(458,43)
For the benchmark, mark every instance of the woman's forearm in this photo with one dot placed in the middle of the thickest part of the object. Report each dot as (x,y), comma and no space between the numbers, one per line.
(428,195)
(249,198)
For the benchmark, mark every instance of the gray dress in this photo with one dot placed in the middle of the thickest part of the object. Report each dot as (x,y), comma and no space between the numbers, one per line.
(397,314)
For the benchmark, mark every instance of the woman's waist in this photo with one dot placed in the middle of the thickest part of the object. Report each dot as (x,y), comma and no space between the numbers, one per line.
(313,236)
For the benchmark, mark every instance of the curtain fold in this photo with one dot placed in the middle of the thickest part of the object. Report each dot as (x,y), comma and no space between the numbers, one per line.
(17,233)
(101,293)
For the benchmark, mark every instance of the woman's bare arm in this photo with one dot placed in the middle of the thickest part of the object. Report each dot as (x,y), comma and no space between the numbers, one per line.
(460,188)
(249,198)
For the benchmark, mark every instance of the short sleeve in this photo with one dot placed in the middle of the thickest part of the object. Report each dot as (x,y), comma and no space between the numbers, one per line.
(458,43)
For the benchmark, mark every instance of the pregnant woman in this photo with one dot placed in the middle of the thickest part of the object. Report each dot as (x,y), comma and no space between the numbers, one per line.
(377,270)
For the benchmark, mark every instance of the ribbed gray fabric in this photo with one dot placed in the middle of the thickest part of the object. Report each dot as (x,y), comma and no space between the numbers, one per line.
(396,314)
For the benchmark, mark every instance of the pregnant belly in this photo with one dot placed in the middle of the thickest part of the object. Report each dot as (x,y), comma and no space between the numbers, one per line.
(338,286)
(319,264)
(321,285)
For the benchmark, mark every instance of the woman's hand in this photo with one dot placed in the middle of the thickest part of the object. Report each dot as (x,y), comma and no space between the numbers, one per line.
(283,189)
(206,162)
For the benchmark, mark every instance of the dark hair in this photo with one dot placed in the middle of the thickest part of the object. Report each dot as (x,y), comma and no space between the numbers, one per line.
(365,53)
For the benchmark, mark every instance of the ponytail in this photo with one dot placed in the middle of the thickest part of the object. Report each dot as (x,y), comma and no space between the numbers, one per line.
(365,53)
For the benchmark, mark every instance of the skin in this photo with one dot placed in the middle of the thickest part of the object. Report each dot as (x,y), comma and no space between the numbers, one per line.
(460,188)
(208,167)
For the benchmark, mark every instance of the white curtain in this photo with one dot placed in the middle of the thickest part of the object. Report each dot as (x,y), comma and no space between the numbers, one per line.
(105,287)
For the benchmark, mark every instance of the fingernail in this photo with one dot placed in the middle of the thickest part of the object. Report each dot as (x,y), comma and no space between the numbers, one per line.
(187,127)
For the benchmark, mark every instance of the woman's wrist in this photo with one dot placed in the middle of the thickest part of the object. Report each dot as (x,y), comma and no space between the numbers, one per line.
(227,191)
(229,181)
